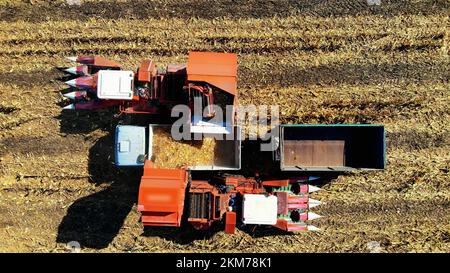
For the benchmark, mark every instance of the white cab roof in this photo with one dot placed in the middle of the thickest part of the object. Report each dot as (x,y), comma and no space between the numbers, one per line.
(115,84)
(260,209)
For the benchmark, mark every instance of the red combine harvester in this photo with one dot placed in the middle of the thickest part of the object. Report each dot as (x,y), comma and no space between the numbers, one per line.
(169,197)
(103,84)
(165,193)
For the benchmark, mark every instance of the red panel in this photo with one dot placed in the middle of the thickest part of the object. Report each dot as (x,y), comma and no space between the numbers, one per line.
(230,222)
(147,70)
(87,82)
(281,224)
(282,199)
(286,226)
(276,183)
(232,181)
(97,61)
(161,195)
(218,69)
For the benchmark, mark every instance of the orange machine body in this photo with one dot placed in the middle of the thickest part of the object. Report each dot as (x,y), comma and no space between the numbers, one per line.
(147,70)
(218,69)
(161,195)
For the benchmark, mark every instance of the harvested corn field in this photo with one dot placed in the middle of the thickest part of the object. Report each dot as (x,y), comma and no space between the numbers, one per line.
(322,61)
(168,153)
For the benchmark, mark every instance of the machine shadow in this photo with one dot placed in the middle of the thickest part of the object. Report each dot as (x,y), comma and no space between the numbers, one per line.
(95,220)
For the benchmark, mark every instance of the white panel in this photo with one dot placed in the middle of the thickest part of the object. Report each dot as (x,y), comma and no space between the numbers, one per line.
(209,130)
(124,146)
(150,141)
(115,84)
(259,209)
(198,125)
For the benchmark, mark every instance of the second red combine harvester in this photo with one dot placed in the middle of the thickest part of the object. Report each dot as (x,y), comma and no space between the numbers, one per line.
(165,193)
(170,196)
